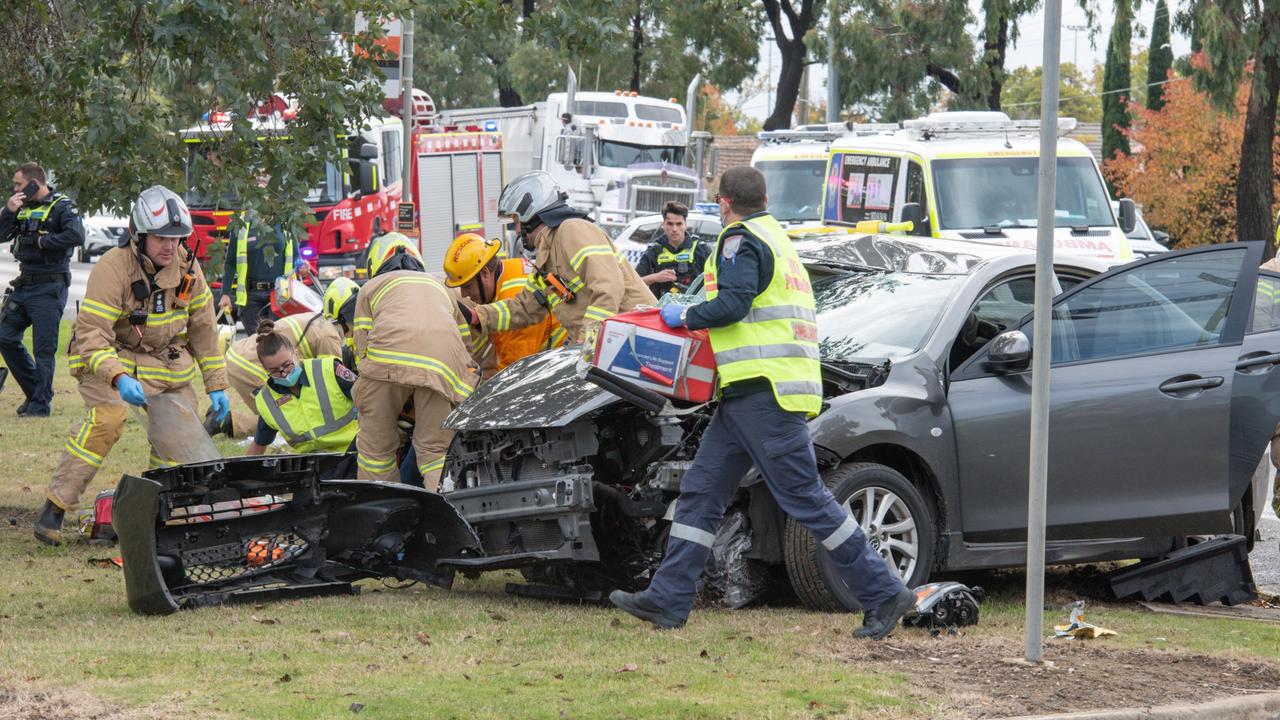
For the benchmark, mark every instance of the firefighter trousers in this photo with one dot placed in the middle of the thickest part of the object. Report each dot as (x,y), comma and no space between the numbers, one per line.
(379,403)
(94,436)
(749,430)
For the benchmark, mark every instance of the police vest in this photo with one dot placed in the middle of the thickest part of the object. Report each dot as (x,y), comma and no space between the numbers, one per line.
(242,263)
(679,262)
(778,339)
(319,419)
(30,227)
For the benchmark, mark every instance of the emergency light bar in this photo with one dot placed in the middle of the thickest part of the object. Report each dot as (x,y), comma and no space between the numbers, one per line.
(826,132)
(979,123)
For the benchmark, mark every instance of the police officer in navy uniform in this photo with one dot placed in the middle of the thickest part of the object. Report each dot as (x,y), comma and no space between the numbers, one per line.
(676,258)
(761,319)
(45,229)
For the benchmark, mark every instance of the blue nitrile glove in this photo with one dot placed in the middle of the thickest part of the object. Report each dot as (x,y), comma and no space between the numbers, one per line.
(131,391)
(300,266)
(673,314)
(221,407)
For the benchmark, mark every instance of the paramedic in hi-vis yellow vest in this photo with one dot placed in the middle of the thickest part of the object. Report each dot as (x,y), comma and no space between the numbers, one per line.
(474,267)
(578,276)
(409,347)
(314,336)
(145,327)
(763,326)
(308,400)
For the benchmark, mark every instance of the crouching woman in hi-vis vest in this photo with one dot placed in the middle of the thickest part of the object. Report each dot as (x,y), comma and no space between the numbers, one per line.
(308,401)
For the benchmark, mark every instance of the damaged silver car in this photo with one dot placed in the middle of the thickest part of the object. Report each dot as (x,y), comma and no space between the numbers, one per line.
(1164,398)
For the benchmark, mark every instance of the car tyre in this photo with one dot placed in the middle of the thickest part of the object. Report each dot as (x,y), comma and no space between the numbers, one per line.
(908,522)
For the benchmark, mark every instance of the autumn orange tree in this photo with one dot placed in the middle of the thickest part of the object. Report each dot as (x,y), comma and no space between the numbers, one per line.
(1185,163)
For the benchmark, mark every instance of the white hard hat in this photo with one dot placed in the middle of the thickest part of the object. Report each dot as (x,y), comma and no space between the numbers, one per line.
(529,194)
(160,211)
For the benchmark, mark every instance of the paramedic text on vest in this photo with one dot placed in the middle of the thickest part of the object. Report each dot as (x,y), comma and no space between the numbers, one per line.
(145,328)
(764,333)
(308,400)
(256,255)
(676,257)
(45,228)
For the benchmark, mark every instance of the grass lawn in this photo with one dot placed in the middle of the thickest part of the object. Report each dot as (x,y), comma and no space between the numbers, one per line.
(470,652)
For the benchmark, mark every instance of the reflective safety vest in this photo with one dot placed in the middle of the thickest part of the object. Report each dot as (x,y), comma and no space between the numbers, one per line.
(242,262)
(31,219)
(319,419)
(778,339)
(511,345)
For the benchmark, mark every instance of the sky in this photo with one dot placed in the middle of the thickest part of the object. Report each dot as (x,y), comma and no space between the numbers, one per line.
(1028,50)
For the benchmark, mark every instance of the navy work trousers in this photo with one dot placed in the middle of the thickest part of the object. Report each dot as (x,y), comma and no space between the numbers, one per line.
(754,429)
(257,306)
(38,307)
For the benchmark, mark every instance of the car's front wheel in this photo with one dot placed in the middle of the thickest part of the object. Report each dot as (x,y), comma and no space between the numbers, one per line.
(894,517)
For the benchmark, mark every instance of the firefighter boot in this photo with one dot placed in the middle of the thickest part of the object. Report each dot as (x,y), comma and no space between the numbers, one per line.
(645,609)
(49,524)
(878,622)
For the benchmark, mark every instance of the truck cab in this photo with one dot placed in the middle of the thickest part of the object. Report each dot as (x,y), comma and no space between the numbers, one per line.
(972,176)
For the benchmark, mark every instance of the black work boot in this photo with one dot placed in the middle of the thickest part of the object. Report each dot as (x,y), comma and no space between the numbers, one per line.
(878,622)
(213,427)
(644,608)
(22,409)
(49,524)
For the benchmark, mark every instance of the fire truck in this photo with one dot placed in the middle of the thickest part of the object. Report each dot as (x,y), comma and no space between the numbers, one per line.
(454,185)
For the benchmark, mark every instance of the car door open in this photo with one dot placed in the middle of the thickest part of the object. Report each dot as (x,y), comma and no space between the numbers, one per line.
(1144,359)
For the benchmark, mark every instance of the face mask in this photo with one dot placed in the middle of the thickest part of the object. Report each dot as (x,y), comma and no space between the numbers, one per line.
(292,378)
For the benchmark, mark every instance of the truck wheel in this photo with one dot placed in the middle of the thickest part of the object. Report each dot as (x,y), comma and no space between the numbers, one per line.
(894,517)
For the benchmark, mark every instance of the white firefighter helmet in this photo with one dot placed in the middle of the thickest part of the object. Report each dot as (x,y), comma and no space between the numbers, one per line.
(529,194)
(160,211)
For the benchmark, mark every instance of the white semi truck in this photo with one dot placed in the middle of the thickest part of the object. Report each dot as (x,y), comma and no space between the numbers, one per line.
(617,154)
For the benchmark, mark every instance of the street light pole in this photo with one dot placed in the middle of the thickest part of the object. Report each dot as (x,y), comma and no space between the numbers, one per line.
(833,86)
(1042,352)
(1075,41)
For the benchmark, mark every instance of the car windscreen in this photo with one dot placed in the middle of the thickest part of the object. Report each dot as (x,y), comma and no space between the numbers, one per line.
(878,314)
(1001,192)
(616,154)
(794,188)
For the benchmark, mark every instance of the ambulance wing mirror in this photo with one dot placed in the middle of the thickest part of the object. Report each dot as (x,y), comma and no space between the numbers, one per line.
(1010,352)
(913,213)
(1128,216)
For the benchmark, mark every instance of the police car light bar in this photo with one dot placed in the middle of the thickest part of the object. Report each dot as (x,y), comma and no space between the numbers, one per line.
(826,132)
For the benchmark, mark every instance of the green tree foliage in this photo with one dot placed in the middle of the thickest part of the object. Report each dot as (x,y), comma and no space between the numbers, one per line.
(1160,57)
(96,90)
(1077,98)
(1233,35)
(1115,83)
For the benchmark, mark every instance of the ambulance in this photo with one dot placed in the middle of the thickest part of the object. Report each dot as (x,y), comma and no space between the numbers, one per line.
(794,165)
(973,176)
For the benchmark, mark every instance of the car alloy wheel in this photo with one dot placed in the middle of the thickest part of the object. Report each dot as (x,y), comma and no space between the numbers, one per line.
(889,526)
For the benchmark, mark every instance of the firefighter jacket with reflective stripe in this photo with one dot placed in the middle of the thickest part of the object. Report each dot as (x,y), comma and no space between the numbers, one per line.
(44,234)
(162,338)
(320,418)
(511,345)
(311,333)
(258,253)
(408,331)
(778,338)
(578,276)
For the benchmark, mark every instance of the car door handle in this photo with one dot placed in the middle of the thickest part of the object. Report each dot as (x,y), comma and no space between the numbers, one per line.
(1189,385)
(1257,363)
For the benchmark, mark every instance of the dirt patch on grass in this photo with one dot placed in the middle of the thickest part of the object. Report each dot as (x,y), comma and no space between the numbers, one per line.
(18,702)
(966,677)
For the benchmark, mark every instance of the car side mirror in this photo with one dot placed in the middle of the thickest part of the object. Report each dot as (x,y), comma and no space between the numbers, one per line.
(1009,352)
(1128,216)
(913,213)
(1163,238)
(366,178)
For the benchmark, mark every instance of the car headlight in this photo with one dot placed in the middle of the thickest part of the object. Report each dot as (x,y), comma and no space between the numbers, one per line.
(330,272)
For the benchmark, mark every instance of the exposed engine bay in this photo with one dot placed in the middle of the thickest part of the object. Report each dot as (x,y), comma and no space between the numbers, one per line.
(584,505)
(254,528)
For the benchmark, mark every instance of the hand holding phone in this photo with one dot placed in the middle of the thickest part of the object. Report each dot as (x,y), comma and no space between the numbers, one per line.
(15,201)
(31,189)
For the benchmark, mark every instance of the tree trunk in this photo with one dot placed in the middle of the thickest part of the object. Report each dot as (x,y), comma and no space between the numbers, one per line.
(637,42)
(784,102)
(1254,190)
(994,60)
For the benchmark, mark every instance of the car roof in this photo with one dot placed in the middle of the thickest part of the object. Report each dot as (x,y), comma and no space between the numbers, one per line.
(926,255)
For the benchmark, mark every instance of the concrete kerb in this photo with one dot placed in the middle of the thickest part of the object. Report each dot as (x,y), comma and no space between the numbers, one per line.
(1263,706)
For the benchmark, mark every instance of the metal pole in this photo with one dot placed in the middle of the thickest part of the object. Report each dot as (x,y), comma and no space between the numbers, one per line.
(833,86)
(406,109)
(1033,640)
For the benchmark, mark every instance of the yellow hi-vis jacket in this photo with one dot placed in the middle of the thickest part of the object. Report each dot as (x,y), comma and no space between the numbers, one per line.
(320,418)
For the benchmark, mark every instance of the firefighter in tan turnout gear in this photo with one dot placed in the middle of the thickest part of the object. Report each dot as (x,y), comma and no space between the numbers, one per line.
(145,327)
(409,347)
(578,275)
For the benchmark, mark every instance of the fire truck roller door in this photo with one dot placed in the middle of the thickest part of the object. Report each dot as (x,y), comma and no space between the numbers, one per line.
(435,198)
(466,194)
(491,177)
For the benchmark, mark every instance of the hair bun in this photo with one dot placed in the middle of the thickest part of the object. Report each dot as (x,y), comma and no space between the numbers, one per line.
(266,326)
